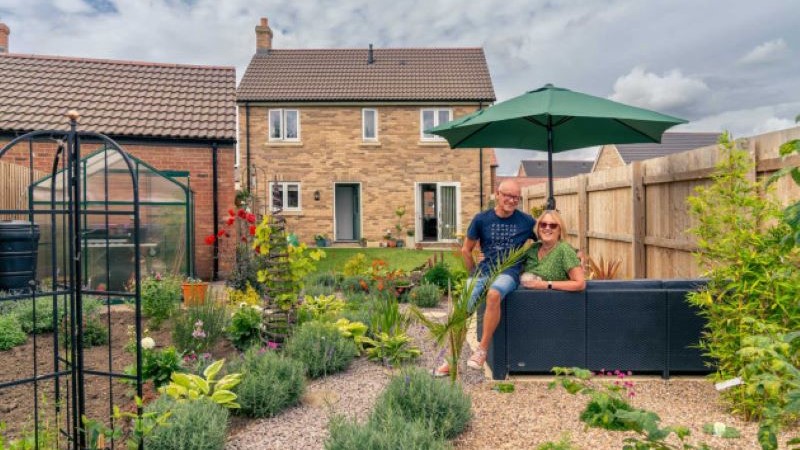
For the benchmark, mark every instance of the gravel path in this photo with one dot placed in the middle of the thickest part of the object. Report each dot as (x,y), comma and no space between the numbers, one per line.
(529,416)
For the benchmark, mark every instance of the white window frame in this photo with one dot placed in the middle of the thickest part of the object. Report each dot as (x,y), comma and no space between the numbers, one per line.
(285,189)
(436,111)
(282,136)
(364,125)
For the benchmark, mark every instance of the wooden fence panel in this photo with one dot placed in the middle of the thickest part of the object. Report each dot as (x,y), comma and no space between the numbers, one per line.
(14,182)
(639,212)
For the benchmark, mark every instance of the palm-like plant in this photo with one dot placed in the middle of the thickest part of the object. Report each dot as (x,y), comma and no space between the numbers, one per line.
(602,269)
(453,331)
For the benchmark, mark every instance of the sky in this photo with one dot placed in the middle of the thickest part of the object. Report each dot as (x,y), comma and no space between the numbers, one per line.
(723,65)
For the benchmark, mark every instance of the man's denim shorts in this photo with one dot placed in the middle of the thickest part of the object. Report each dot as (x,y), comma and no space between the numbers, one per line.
(503,284)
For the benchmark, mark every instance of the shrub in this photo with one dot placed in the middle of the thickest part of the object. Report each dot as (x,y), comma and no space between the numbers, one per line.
(199,327)
(245,328)
(438,275)
(45,320)
(94,333)
(414,394)
(189,386)
(194,425)
(425,295)
(327,279)
(270,383)
(356,284)
(393,432)
(322,348)
(158,365)
(11,334)
(249,295)
(392,350)
(160,298)
(317,290)
(386,317)
(323,308)
(356,265)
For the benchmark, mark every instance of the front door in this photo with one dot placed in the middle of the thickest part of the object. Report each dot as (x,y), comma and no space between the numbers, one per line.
(347,218)
(438,211)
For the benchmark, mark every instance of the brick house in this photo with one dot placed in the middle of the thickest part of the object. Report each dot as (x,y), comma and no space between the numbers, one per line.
(179,118)
(341,133)
(616,155)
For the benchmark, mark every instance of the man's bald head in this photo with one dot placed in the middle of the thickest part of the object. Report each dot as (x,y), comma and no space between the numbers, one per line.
(509,187)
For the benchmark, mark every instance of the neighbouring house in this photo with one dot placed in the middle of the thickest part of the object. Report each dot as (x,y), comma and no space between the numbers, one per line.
(616,155)
(178,119)
(336,137)
(536,169)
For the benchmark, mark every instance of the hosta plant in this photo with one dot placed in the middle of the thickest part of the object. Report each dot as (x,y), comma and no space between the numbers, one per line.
(191,386)
(392,350)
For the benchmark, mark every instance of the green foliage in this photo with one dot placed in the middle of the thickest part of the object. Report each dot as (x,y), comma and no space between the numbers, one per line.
(321,348)
(46,436)
(326,279)
(393,432)
(414,394)
(46,320)
(193,425)
(356,284)
(161,296)
(94,333)
(425,295)
(356,265)
(246,267)
(11,334)
(608,409)
(270,383)
(386,317)
(317,290)
(721,430)
(158,365)
(565,443)
(752,269)
(353,330)
(392,350)
(323,308)
(199,327)
(190,386)
(245,328)
(439,275)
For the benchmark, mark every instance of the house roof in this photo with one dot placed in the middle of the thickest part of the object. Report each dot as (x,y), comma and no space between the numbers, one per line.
(670,143)
(397,74)
(561,168)
(118,98)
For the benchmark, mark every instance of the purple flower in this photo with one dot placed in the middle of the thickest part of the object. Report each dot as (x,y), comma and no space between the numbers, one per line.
(199,334)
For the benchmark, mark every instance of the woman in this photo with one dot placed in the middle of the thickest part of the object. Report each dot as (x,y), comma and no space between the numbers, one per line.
(551,263)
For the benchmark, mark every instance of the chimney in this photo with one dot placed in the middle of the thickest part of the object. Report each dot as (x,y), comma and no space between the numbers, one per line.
(263,37)
(370,58)
(4,32)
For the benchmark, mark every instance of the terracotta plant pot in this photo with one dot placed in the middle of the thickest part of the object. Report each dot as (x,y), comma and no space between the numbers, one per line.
(194,293)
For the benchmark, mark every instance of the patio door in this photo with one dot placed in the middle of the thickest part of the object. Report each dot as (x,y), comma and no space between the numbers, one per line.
(347,216)
(438,211)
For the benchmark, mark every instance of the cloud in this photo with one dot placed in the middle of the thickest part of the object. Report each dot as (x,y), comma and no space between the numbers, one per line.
(748,122)
(648,90)
(767,52)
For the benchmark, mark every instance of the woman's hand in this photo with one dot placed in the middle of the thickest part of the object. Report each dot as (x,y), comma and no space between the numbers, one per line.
(531,281)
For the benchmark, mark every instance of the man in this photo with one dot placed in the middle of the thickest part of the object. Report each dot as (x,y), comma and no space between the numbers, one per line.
(497,231)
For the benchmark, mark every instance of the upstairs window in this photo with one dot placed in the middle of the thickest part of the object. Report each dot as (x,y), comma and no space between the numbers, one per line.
(433,117)
(369,124)
(286,197)
(284,125)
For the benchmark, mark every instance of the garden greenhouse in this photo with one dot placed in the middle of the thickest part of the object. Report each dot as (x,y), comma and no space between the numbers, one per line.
(166,214)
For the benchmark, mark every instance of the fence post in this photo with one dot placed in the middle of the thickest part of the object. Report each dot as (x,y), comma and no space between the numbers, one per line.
(639,224)
(583,214)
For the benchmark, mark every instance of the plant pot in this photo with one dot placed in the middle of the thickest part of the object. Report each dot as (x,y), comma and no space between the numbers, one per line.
(194,293)
(400,243)
(321,242)
(391,243)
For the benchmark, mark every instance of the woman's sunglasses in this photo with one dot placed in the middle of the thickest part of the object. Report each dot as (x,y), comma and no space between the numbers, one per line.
(550,225)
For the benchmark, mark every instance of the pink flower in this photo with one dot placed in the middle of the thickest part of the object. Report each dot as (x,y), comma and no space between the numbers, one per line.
(272,345)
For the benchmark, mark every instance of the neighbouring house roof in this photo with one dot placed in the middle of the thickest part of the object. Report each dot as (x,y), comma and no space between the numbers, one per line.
(670,143)
(396,74)
(118,98)
(561,168)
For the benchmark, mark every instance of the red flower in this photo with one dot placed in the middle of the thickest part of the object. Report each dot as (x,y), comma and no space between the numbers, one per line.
(231,220)
(252,230)
(221,233)
(231,213)
(242,213)
(210,239)
(227,234)
(258,249)
(251,218)
(244,239)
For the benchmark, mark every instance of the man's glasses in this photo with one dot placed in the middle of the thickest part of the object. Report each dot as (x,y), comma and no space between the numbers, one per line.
(550,225)
(513,198)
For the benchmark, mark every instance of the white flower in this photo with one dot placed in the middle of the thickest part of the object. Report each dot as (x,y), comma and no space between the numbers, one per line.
(148,343)
(719,428)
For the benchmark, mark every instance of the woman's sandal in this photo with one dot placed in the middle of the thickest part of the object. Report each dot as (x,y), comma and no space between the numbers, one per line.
(442,371)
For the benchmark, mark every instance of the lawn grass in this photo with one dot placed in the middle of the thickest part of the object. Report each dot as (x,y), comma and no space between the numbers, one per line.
(396,258)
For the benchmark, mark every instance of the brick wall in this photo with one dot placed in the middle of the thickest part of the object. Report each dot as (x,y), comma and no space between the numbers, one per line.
(331,150)
(196,158)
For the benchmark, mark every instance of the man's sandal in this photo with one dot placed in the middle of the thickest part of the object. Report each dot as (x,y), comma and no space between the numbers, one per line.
(477,359)
(442,371)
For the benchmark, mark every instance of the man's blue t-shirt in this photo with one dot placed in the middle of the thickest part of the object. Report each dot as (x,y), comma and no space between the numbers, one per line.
(497,236)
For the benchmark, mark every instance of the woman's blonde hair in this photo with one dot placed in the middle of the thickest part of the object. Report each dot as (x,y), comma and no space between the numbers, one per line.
(556,216)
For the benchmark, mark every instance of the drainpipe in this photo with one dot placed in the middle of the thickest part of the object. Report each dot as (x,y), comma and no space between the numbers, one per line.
(480,165)
(214,174)
(247,140)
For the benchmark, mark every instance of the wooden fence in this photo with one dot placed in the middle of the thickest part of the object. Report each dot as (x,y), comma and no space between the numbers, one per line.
(639,213)
(14,182)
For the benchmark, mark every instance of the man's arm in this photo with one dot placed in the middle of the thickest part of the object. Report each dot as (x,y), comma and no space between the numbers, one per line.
(466,254)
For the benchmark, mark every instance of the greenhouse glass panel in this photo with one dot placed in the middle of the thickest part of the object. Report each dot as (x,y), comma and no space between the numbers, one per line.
(165,211)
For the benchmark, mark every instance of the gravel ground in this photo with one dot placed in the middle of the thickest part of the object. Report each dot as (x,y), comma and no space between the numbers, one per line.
(529,416)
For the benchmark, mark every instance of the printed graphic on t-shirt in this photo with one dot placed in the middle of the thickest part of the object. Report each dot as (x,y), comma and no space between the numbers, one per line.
(501,235)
